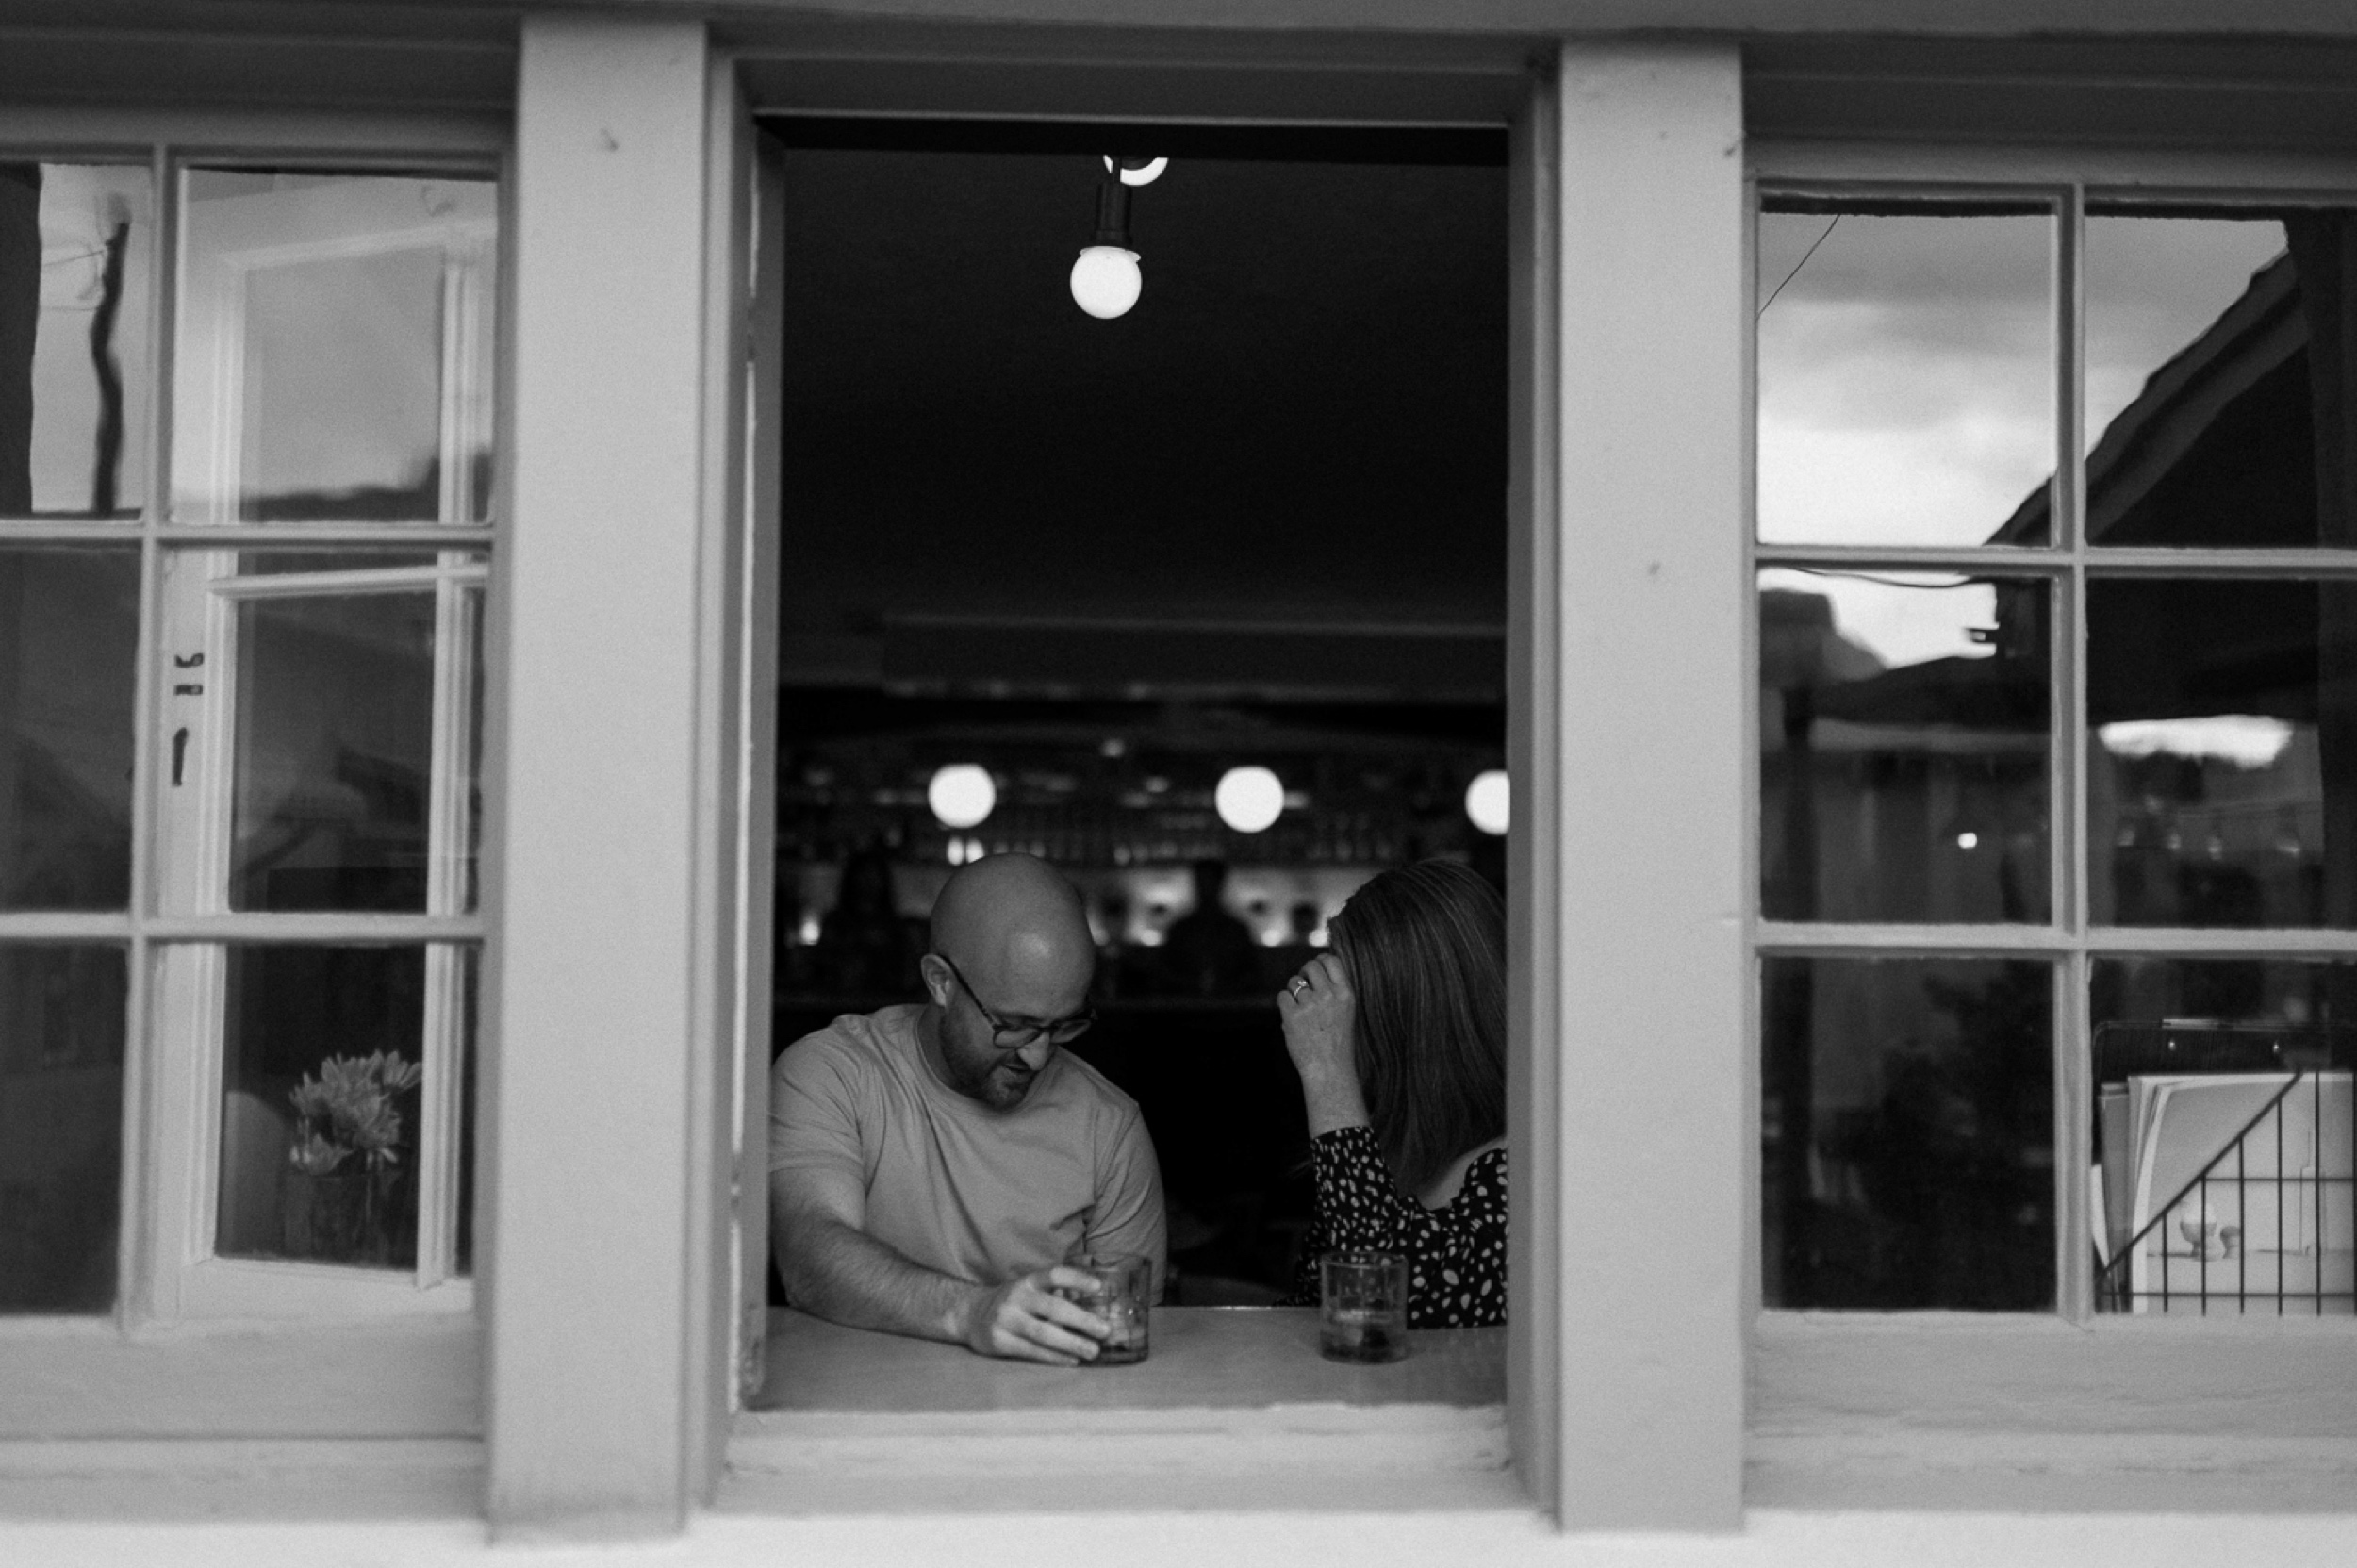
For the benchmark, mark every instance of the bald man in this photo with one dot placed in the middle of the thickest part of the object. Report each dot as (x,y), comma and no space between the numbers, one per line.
(932,1165)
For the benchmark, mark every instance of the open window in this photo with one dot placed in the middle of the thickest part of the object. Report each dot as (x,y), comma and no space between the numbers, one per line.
(1088,569)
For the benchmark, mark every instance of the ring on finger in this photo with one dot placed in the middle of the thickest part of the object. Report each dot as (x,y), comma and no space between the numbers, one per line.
(1298,984)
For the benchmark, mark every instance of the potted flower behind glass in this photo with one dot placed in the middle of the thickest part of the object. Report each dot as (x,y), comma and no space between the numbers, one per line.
(340,1203)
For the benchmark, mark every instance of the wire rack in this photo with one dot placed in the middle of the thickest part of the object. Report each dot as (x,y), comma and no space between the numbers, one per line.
(2241,1194)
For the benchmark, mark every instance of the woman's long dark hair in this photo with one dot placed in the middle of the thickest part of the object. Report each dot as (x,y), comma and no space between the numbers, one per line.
(1425,947)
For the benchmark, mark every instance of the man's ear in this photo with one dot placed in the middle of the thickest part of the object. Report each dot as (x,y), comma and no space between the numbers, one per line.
(935,975)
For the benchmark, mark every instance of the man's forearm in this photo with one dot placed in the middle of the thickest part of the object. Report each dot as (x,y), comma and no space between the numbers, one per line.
(836,1272)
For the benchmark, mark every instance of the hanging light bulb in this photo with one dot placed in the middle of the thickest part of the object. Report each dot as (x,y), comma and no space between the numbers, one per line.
(1105,280)
(1489,801)
(1248,799)
(962,795)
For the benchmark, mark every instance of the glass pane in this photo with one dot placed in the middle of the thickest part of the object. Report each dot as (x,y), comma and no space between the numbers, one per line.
(62,1032)
(1907,1133)
(2222,393)
(68,643)
(1903,747)
(334,751)
(2222,753)
(73,339)
(1906,373)
(335,348)
(323,1093)
(2222,1140)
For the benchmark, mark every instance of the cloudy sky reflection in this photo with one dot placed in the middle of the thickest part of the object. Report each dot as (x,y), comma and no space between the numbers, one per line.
(1905,375)
(1907,366)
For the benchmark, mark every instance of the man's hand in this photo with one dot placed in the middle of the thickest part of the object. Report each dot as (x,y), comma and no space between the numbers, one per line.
(1025,1318)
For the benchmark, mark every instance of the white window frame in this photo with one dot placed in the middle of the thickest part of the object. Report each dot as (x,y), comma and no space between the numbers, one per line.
(1921,1391)
(133,1372)
(1626,1362)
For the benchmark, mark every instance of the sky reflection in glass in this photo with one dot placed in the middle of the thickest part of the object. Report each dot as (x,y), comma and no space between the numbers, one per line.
(1906,374)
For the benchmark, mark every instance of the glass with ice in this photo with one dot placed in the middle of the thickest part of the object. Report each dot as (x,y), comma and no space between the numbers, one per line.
(1364,1306)
(1121,1291)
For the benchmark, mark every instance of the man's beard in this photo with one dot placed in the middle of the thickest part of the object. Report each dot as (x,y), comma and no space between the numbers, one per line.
(1003,1087)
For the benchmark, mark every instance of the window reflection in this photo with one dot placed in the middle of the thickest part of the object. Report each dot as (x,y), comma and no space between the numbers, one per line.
(1908,1134)
(2222,753)
(2222,1174)
(69,635)
(1906,355)
(61,1033)
(334,753)
(334,348)
(2219,405)
(73,339)
(1904,744)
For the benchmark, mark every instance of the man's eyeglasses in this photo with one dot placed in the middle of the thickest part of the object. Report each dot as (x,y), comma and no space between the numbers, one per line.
(1009,1035)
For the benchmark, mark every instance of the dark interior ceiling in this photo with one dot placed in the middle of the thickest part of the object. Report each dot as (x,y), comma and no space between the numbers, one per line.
(1298,434)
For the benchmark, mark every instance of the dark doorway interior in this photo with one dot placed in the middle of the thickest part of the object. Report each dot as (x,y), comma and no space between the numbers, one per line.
(1259,521)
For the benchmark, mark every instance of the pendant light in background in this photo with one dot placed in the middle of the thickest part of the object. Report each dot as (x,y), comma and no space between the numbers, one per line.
(1105,279)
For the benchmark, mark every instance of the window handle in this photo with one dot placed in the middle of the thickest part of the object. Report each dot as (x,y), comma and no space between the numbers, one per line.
(179,753)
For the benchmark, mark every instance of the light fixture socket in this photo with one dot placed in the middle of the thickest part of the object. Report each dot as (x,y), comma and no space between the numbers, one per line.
(1113,214)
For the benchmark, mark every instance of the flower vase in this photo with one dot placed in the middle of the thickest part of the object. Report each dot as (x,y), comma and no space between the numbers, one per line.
(337,1216)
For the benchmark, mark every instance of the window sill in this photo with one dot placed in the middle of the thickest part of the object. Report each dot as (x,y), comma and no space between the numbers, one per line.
(122,1481)
(1234,1409)
(1954,1411)
(415,1378)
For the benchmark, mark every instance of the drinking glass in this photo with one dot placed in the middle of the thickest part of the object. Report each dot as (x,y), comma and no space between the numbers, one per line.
(1121,1291)
(1365,1305)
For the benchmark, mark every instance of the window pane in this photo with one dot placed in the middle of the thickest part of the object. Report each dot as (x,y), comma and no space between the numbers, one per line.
(62,1032)
(2213,416)
(73,339)
(2222,753)
(1907,1133)
(2222,1136)
(335,348)
(68,642)
(1907,372)
(324,1149)
(1903,745)
(334,751)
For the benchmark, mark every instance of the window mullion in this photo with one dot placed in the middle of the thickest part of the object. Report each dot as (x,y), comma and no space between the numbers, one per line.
(441,1051)
(442,1047)
(140,1258)
(2074,1089)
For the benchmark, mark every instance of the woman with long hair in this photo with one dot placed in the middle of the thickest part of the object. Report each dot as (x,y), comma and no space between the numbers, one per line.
(1399,1036)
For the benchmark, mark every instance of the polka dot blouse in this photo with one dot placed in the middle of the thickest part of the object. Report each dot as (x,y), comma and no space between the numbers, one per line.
(1456,1255)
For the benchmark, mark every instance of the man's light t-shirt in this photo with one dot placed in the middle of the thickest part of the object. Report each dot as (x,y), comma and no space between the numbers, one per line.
(952,1184)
